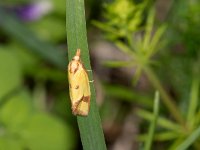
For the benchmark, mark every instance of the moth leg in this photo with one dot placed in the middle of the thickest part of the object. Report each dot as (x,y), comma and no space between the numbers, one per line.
(89,70)
(91,81)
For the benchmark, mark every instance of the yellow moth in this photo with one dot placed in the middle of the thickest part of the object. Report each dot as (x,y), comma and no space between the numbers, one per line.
(79,87)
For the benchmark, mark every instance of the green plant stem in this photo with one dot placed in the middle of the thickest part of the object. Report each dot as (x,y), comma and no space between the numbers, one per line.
(90,127)
(167,100)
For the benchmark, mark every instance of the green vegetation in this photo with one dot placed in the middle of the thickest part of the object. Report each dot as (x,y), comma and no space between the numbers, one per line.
(133,48)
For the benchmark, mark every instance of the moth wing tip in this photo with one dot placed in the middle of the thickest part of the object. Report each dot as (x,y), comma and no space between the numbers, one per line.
(83,114)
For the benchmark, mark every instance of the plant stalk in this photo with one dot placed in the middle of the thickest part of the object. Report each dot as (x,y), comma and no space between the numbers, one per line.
(167,100)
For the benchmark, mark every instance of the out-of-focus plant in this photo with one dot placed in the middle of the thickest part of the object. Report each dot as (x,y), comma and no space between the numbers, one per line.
(181,136)
(140,42)
(122,19)
(185,23)
(22,124)
(136,35)
(32,90)
(184,37)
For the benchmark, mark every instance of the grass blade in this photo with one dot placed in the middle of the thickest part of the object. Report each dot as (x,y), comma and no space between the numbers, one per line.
(152,127)
(90,127)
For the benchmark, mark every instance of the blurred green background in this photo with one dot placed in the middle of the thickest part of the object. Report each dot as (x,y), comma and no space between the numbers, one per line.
(136,47)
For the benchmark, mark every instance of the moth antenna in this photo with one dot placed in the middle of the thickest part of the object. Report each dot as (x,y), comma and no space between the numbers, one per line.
(78,52)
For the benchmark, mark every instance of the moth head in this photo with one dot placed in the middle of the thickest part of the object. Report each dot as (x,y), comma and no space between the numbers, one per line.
(75,61)
(77,56)
(74,67)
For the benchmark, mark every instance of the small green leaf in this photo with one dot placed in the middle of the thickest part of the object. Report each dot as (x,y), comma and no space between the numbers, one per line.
(106,28)
(124,48)
(155,43)
(148,29)
(193,102)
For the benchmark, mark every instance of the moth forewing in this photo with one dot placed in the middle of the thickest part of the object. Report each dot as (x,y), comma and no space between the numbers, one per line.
(79,87)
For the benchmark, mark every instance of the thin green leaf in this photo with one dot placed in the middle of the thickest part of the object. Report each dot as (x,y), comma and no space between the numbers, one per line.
(148,29)
(126,94)
(152,127)
(153,47)
(162,122)
(117,64)
(106,28)
(193,103)
(124,48)
(166,136)
(90,127)
(190,140)
(163,136)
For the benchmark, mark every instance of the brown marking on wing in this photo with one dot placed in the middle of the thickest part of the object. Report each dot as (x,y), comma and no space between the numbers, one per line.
(86,99)
(75,106)
(75,70)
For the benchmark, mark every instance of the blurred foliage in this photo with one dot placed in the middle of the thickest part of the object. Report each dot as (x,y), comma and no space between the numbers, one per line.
(185,24)
(137,35)
(30,88)
(118,24)
(34,103)
(21,124)
(120,27)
